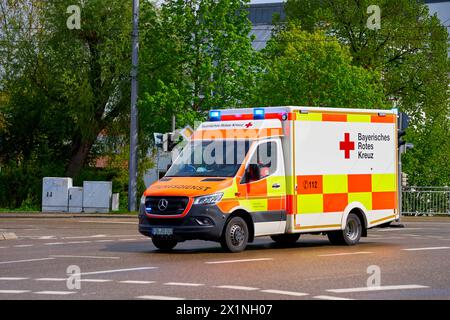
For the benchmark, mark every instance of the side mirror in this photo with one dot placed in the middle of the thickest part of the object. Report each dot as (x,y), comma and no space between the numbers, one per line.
(253,172)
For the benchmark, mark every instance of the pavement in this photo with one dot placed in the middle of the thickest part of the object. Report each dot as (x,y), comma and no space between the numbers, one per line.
(113,261)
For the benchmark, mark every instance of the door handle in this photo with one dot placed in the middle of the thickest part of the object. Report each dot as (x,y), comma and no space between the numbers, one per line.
(276,185)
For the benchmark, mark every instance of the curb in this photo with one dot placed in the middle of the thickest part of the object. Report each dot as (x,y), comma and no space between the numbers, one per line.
(65,215)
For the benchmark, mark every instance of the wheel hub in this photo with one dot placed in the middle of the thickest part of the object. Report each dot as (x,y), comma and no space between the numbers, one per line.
(237,235)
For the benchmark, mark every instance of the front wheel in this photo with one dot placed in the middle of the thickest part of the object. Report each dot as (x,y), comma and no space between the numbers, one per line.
(235,235)
(350,235)
(164,245)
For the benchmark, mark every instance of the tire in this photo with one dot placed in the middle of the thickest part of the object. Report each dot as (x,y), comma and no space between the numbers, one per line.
(164,245)
(287,239)
(235,235)
(350,235)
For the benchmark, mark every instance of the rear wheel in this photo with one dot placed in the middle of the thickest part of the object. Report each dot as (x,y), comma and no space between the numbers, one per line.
(286,239)
(235,235)
(164,245)
(350,235)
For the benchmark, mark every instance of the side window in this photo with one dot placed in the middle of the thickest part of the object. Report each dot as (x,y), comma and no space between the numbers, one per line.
(264,160)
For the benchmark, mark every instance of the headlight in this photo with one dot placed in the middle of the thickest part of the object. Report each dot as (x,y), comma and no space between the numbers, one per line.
(143,199)
(210,199)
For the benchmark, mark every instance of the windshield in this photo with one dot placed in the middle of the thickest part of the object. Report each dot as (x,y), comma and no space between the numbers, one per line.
(210,158)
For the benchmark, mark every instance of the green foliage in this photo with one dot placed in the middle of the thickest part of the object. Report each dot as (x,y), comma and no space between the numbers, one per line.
(315,70)
(411,52)
(197,56)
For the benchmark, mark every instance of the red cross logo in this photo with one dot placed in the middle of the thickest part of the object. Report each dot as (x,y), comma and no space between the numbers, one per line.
(248,125)
(347,145)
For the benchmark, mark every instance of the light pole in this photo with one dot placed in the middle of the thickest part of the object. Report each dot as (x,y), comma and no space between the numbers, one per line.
(133,162)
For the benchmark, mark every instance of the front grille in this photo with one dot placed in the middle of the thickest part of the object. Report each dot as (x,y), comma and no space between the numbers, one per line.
(174,205)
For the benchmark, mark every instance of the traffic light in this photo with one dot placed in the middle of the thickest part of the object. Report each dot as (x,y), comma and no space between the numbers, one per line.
(403,122)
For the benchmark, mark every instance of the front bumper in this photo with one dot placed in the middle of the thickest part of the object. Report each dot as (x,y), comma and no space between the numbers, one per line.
(187,227)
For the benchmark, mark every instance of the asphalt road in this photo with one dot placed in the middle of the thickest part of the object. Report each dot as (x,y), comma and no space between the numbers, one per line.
(117,263)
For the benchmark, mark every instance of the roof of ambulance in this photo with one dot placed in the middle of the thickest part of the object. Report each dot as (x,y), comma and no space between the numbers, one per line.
(292,108)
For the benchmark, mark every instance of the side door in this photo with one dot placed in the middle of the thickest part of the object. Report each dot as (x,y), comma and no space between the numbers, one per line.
(265,186)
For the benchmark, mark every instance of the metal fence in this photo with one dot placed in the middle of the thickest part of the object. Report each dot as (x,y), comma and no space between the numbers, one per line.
(422,201)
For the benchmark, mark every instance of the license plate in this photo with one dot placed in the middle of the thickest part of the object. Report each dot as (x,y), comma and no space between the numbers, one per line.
(163,231)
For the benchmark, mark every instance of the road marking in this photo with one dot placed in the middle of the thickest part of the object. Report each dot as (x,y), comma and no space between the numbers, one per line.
(128,239)
(78,242)
(288,293)
(53,243)
(159,298)
(343,254)
(103,240)
(426,248)
(23,245)
(331,298)
(3,247)
(380,288)
(183,284)
(95,280)
(12,278)
(136,282)
(14,291)
(60,293)
(101,236)
(50,279)
(117,270)
(86,257)
(237,288)
(240,260)
(28,260)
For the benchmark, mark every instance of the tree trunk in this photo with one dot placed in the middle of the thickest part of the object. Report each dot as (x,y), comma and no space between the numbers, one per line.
(80,152)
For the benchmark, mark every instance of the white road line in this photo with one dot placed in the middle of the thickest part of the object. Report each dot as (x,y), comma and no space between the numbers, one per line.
(183,284)
(237,288)
(50,279)
(14,291)
(23,245)
(95,280)
(84,257)
(60,293)
(103,240)
(53,243)
(78,242)
(159,298)
(117,270)
(331,298)
(128,239)
(344,254)
(380,288)
(101,236)
(12,278)
(287,293)
(240,260)
(136,282)
(28,260)
(426,248)
(3,247)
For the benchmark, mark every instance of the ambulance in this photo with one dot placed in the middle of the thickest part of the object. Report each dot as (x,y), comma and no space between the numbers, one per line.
(278,172)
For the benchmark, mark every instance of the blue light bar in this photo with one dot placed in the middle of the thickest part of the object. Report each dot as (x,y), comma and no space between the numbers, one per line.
(258,114)
(214,115)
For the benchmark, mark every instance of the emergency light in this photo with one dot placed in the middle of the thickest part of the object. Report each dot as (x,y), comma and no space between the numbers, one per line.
(214,115)
(258,114)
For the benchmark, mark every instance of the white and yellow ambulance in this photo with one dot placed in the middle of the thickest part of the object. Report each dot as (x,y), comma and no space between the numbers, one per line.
(279,172)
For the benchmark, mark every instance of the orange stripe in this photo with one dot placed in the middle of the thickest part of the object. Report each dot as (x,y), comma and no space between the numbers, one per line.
(384,200)
(290,204)
(309,184)
(335,202)
(227,205)
(389,118)
(276,204)
(359,183)
(334,117)
(230,117)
